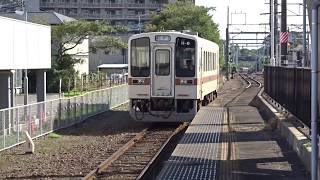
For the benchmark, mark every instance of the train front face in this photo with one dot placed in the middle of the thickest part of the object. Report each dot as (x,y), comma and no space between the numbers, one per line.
(162,77)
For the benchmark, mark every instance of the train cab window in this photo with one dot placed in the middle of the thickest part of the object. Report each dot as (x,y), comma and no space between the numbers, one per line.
(140,57)
(185,57)
(162,62)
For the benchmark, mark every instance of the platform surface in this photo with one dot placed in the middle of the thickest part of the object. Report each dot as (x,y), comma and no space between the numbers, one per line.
(230,140)
(196,154)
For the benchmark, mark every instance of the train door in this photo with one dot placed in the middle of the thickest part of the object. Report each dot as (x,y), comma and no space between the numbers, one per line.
(162,73)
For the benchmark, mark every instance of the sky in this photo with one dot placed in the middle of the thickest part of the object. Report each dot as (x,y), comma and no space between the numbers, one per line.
(252,8)
(248,11)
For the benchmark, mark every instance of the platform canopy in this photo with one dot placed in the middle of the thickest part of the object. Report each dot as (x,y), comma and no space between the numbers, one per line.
(24,45)
(113,66)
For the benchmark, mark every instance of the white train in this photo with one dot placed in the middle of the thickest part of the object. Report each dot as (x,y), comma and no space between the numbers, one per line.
(171,74)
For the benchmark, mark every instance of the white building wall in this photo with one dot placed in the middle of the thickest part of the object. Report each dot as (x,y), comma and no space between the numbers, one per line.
(24,45)
(81,51)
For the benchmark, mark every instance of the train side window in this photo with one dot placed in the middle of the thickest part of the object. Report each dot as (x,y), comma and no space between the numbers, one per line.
(206,69)
(162,62)
(210,61)
(140,57)
(215,61)
(208,66)
(205,61)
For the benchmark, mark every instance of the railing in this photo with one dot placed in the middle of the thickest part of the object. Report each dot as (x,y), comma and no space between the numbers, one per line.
(44,117)
(290,87)
(59,4)
(99,5)
(109,16)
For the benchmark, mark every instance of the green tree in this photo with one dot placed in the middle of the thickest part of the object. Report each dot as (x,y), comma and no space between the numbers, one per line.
(185,15)
(248,52)
(67,36)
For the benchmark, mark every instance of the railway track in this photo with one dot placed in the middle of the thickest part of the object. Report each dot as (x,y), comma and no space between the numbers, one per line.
(251,81)
(240,99)
(244,95)
(134,159)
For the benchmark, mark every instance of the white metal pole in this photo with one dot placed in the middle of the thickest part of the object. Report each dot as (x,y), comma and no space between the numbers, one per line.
(139,23)
(272,59)
(25,86)
(314,91)
(305,52)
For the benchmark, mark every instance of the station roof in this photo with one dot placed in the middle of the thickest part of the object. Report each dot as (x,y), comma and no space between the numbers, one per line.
(51,18)
(24,45)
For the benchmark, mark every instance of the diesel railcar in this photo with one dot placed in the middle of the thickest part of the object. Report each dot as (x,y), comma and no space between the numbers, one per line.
(171,74)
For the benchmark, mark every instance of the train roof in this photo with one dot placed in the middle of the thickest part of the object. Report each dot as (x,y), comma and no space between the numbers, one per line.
(186,35)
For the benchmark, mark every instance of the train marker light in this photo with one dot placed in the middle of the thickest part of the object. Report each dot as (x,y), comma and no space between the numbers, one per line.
(165,38)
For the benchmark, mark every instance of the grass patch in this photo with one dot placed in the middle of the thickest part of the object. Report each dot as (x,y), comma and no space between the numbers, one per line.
(54,135)
(307,145)
(73,93)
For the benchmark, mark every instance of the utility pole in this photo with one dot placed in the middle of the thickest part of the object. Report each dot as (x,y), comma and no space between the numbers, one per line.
(227,46)
(276,34)
(284,33)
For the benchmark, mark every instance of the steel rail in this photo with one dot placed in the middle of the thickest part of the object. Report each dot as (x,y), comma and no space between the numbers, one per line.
(248,82)
(155,157)
(256,81)
(116,155)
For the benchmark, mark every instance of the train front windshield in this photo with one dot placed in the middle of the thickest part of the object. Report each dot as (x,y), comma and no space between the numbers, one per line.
(185,57)
(140,57)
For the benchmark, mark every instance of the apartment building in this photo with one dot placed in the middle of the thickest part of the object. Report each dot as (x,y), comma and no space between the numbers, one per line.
(7,6)
(131,13)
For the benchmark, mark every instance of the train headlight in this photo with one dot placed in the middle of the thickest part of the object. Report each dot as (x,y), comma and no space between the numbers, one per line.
(183,82)
(141,81)
(138,81)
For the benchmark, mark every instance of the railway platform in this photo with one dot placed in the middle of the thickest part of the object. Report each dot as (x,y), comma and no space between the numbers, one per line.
(229,139)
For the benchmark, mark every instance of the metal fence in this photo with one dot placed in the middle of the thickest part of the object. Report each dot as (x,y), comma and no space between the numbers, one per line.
(44,117)
(79,83)
(290,87)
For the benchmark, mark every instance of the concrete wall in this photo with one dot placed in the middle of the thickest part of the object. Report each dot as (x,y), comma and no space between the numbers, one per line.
(98,58)
(116,56)
(32,5)
(24,45)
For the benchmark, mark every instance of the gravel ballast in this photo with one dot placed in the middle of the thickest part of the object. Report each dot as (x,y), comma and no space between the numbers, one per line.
(77,151)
